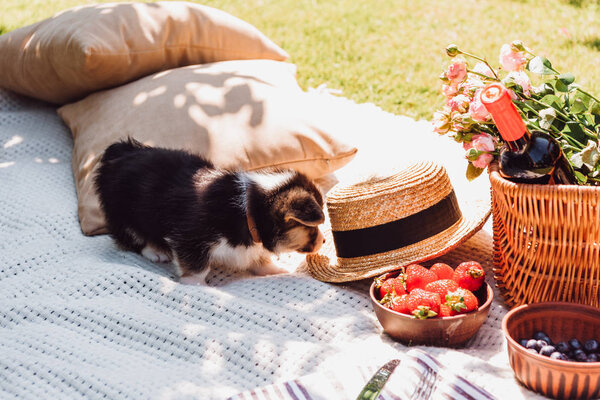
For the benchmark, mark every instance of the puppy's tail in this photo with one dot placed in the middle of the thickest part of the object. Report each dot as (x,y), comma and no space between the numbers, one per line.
(119,149)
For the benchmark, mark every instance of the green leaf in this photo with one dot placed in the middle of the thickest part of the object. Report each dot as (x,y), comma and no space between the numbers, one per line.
(578,106)
(583,98)
(588,157)
(566,78)
(532,104)
(548,89)
(547,117)
(553,101)
(595,108)
(540,65)
(473,172)
(561,86)
(588,120)
(510,84)
(580,177)
(472,154)
(574,130)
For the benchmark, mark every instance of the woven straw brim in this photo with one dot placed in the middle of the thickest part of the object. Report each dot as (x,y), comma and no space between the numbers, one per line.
(326,266)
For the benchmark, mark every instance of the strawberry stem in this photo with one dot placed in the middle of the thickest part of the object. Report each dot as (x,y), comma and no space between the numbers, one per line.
(424,312)
(475,272)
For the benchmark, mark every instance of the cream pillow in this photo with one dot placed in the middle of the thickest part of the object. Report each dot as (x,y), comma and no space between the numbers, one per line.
(238,114)
(94,47)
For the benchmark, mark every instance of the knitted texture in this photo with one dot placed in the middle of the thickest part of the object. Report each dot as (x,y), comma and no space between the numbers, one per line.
(80,318)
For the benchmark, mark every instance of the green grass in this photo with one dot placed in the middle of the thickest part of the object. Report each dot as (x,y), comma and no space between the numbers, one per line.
(391,52)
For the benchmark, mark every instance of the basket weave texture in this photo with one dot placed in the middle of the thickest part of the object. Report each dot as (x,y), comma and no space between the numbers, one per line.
(546,242)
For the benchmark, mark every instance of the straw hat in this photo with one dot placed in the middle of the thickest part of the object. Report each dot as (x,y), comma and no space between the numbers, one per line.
(383,224)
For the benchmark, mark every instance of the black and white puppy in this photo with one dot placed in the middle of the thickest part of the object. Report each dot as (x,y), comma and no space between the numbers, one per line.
(170,205)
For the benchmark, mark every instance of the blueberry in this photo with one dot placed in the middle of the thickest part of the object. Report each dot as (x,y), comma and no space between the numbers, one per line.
(580,355)
(558,356)
(542,336)
(531,344)
(534,351)
(563,347)
(547,350)
(523,342)
(594,357)
(590,346)
(575,344)
(539,344)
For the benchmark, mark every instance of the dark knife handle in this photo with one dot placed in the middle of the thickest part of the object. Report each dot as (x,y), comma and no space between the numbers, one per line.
(378,381)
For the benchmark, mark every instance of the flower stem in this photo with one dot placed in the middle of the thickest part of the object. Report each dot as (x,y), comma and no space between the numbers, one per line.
(545,106)
(595,180)
(569,139)
(483,60)
(527,51)
(566,118)
(483,75)
(587,94)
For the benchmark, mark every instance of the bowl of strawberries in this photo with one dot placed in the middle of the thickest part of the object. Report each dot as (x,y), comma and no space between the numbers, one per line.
(436,306)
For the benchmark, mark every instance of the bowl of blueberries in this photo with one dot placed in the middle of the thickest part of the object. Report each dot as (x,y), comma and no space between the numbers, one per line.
(554,348)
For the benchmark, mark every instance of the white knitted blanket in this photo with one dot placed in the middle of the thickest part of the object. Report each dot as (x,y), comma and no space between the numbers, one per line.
(81,319)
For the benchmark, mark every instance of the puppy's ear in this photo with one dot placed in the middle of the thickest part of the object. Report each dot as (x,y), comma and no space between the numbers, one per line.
(305,210)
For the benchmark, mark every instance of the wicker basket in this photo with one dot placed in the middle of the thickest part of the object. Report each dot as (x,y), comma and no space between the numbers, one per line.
(546,242)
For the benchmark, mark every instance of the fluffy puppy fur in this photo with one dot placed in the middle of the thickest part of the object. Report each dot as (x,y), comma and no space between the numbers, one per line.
(170,205)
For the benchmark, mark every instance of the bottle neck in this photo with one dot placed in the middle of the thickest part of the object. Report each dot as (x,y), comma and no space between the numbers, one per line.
(507,118)
(517,144)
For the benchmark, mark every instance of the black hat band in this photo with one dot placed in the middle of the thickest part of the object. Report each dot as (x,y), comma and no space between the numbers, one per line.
(400,233)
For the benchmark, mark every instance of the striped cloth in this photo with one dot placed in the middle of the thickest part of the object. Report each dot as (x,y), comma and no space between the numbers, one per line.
(418,376)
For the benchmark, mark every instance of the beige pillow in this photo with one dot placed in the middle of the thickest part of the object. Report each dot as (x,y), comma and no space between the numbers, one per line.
(94,47)
(238,114)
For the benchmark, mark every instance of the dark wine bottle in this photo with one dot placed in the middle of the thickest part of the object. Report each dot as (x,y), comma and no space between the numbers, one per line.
(526,157)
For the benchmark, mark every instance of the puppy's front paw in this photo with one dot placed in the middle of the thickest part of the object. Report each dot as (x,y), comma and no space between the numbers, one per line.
(155,255)
(195,279)
(267,268)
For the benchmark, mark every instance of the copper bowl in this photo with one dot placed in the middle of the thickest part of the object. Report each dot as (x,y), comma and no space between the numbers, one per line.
(447,331)
(561,321)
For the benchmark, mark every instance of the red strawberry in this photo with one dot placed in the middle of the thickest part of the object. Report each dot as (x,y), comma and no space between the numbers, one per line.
(418,276)
(443,271)
(398,304)
(469,275)
(462,301)
(392,285)
(423,304)
(442,287)
(446,311)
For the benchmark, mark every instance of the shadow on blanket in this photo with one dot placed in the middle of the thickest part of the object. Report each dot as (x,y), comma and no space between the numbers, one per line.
(80,318)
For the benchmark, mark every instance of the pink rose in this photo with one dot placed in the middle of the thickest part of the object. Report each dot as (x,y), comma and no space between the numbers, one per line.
(512,60)
(483,160)
(449,90)
(483,142)
(477,109)
(483,69)
(481,146)
(461,122)
(470,86)
(520,78)
(459,103)
(457,71)
(441,122)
